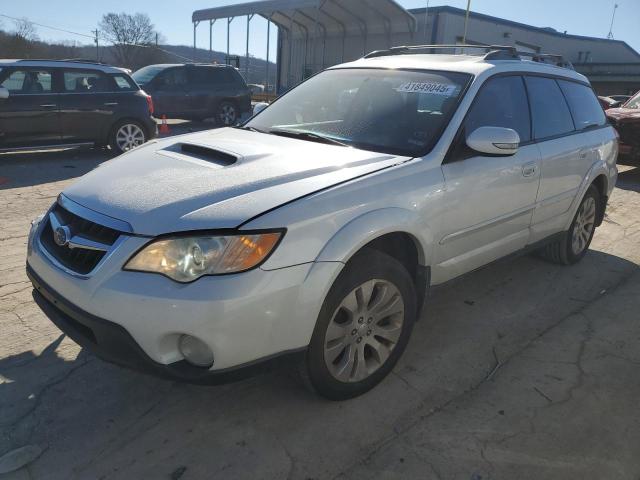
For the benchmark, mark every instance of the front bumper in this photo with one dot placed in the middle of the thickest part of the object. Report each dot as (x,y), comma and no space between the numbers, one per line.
(113,343)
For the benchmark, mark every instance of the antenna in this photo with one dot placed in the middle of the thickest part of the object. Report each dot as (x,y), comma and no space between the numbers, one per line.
(610,35)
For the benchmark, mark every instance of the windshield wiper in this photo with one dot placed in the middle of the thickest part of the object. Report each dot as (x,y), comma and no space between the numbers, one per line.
(313,137)
(252,129)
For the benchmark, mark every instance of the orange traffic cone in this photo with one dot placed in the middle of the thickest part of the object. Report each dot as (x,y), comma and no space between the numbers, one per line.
(164,128)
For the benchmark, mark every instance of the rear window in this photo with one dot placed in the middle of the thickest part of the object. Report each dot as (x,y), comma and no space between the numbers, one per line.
(549,110)
(124,83)
(584,105)
(78,81)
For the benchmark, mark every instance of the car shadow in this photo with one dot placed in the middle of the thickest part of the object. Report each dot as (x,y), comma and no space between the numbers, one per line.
(128,425)
(629,179)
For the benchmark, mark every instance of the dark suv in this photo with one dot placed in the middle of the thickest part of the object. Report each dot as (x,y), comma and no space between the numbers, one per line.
(196,91)
(50,103)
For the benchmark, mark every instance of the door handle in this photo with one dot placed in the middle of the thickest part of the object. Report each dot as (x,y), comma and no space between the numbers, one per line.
(583,154)
(110,104)
(529,169)
(48,105)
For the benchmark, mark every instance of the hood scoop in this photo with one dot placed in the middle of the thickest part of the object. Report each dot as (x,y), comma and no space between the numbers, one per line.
(208,154)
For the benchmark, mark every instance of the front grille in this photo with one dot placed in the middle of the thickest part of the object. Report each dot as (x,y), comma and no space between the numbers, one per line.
(79,260)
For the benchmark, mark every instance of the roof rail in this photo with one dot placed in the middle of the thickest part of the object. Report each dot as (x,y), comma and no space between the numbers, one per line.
(67,60)
(548,58)
(503,50)
(493,52)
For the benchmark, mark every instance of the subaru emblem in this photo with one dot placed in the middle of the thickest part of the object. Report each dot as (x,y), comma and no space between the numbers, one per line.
(61,235)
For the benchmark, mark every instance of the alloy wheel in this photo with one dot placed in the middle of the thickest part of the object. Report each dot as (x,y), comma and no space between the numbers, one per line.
(583,226)
(228,114)
(364,330)
(129,136)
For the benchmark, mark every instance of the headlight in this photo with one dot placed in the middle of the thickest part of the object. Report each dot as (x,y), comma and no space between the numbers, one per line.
(185,259)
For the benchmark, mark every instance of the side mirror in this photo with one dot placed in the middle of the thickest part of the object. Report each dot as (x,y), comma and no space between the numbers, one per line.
(494,141)
(4,93)
(258,107)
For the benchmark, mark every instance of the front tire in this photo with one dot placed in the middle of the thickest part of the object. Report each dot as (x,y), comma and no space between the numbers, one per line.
(573,245)
(363,327)
(126,135)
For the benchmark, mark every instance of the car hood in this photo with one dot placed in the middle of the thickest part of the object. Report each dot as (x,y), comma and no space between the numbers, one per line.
(216,179)
(624,115)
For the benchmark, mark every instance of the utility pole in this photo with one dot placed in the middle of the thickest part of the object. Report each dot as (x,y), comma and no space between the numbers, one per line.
(426,21)
(156,39)
(97,45)
(610,35)
(466,21)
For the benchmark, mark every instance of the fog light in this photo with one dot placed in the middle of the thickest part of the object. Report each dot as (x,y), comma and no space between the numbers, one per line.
(195,351)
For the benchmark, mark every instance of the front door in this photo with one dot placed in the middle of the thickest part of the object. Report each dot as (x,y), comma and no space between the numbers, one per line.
(489,200)
(170,93)
(29,117)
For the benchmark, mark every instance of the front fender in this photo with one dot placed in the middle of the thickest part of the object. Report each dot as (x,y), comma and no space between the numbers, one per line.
(371,225)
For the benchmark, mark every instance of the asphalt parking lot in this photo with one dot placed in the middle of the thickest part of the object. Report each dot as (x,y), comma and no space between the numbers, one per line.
(522,370)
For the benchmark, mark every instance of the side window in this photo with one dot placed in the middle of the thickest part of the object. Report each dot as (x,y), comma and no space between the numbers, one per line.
(584,105)
(203,75)
(549,109)
(173,78)
(501,102)
(79,81)
(28,81)
(123,83)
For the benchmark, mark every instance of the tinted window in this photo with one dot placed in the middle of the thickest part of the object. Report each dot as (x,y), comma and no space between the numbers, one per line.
(77,81)
(146,74)
(173,78)
(124,83)
(502,102)
(28,81)
(549,109)
(584,105)
(204,75)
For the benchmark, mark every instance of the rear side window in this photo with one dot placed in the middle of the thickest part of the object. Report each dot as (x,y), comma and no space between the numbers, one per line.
(549,110)
(124,83)
(501,102)
(78,81)
(584,105)
(28,81)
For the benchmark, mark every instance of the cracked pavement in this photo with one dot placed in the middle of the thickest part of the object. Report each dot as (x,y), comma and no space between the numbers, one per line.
(522,370)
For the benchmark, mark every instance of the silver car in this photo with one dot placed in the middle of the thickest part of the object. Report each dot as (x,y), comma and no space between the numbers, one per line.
(311,234)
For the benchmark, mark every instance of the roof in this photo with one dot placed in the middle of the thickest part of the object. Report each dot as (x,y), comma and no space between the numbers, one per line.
(61,64)
(471,64)
(329,16)
(524,26)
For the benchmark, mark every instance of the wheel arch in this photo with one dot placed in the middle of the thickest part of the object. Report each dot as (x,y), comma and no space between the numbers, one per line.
(601,184)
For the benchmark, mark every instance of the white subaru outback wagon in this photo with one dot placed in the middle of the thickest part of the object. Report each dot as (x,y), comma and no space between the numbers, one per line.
(314,231)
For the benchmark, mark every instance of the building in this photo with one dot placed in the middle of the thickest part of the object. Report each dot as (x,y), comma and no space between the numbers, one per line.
(315,34)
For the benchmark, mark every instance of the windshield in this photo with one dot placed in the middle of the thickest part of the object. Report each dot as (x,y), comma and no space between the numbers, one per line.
(146,74)
(392,111)
(633,102)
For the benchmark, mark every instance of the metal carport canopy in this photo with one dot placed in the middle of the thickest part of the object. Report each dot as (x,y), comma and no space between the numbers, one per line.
(330,16)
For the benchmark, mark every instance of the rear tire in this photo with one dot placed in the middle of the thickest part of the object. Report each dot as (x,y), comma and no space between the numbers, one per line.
(125,135)
(363,327)
(227,114)
(574,243)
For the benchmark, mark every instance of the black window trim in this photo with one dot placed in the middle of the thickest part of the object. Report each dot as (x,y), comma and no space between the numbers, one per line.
(55,85)
(450,151)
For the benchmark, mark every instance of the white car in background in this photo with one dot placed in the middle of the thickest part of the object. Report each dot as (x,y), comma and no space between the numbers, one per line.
(313,232)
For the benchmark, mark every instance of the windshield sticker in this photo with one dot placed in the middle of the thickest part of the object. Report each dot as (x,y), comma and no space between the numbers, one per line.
(428,87)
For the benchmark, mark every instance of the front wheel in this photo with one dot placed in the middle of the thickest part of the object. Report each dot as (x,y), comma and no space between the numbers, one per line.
(126,135)
(363,327)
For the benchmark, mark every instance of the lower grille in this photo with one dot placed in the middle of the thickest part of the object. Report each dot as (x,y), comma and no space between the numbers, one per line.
(77,259)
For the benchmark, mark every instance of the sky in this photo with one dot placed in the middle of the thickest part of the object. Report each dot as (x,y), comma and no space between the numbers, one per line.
(173,18)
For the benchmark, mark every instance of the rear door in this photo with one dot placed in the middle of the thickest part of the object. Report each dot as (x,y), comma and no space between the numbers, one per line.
(86,105)
(489,199)
(29,117)
(568,151)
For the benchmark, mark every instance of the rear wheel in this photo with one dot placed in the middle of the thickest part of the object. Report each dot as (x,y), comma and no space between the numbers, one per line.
(126,135)
(363,327)
(575,242)
(227,114)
